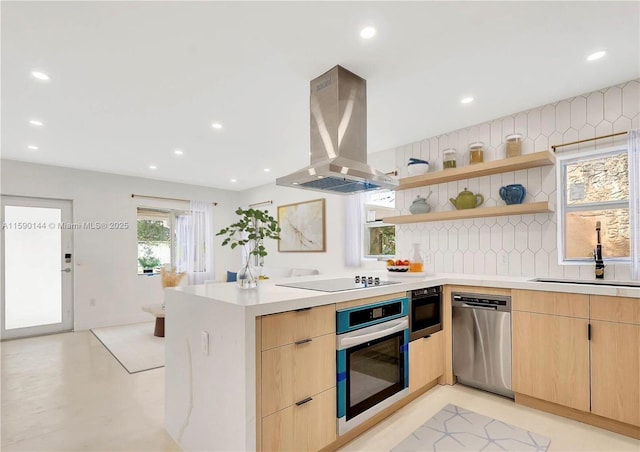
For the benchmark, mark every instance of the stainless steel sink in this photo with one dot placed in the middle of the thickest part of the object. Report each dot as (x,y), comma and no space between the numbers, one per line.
(594,282)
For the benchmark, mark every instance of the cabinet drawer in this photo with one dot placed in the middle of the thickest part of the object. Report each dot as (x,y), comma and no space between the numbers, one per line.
(309,426)
(289,327)
(555,303)
(296,371)
(615,309)
(426,360)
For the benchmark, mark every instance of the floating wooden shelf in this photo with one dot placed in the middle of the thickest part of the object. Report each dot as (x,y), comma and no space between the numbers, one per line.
(521,162)
(498,211)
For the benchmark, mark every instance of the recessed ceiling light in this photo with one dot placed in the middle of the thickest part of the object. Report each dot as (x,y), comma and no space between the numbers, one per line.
(367,32)
(40,76)
(216,125)
(178,152)
(596,55)
(32,147)
(36,122)
(153,167)
(466,100)
(266,170)
(234,180)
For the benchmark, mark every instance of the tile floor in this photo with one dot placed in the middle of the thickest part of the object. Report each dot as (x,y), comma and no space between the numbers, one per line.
(66,392)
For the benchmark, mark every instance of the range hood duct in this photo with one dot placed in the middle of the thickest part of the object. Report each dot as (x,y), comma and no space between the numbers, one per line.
(338,139)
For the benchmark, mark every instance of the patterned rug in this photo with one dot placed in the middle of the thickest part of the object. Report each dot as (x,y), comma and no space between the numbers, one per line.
(133,346)
(457,429)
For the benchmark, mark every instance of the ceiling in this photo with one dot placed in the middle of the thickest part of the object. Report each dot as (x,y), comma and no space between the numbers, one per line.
(133,81)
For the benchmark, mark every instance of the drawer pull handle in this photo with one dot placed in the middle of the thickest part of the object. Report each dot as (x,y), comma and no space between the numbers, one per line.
(303,309)
(302,402)
(303,341)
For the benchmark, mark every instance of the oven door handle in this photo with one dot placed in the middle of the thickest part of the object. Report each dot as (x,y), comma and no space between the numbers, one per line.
(345,342)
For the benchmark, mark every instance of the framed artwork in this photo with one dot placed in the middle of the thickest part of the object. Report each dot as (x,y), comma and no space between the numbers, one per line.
(302,227)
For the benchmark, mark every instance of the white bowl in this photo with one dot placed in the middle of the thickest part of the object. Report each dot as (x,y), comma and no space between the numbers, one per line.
(417,169)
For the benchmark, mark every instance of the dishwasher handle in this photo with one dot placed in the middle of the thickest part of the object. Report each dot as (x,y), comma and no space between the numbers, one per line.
(487,307)
(487,302)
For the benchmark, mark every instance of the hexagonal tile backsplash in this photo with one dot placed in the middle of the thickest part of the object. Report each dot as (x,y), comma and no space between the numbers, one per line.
(519,245)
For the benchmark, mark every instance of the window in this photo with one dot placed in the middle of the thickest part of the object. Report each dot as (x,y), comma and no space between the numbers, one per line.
(593,187)
(379,238)
(155,240)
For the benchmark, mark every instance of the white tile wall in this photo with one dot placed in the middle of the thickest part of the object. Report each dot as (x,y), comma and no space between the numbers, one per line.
(519,245)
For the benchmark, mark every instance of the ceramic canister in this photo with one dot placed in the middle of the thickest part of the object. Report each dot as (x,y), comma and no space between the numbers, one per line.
(513,194)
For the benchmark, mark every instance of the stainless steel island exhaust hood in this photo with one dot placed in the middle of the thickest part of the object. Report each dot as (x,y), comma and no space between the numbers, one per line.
(338,138)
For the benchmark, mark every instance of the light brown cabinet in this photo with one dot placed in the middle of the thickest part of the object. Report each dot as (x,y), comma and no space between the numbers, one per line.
(578,351)
(615,358)
(289,327)
(551,358)
(296,371)
(296,377)
(307,426)
(426,360)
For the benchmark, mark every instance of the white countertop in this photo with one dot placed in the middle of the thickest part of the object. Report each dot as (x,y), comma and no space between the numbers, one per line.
(268,298)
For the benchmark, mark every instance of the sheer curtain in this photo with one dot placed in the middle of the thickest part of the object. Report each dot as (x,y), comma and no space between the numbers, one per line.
(354,206)
(634,200)
(194,242)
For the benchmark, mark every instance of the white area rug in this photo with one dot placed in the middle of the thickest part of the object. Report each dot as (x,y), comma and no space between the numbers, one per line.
(134,346)
(457,429)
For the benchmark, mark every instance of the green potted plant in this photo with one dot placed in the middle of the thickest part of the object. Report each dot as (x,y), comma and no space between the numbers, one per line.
(250,231)
(148,261)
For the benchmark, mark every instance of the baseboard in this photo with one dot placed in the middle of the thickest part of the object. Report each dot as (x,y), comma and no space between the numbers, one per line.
(360,429)
(580,416)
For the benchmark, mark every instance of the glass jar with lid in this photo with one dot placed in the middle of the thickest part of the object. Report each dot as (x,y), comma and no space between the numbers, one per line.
(449,158)
(476,152)
(514,145)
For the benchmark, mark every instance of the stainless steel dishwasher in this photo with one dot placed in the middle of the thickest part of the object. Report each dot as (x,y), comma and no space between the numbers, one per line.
(482,341)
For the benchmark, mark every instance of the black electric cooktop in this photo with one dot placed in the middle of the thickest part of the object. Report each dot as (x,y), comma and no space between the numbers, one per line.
(339,284)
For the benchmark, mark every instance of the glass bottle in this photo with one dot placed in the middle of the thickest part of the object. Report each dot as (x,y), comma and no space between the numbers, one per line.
(476,152)
(514,145)
(417,264)
(449,158)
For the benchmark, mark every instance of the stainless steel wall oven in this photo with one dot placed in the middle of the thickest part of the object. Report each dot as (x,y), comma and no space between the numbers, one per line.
(425,312)
(372,360)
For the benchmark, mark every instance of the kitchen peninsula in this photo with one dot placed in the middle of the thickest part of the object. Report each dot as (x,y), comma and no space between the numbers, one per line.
(213,337)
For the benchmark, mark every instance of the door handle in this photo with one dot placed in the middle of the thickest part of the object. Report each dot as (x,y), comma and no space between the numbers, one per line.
(66,270)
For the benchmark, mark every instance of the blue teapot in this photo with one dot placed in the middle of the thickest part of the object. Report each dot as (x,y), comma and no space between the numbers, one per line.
(513,194)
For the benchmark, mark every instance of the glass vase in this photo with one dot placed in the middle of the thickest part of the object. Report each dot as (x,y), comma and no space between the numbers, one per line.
(248,275)
(417,264)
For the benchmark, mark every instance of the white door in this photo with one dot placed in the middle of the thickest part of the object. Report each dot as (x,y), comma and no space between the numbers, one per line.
(37,267)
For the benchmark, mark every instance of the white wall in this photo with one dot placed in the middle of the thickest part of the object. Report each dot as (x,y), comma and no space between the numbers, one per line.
(330,261)
(105,268)
(518,245)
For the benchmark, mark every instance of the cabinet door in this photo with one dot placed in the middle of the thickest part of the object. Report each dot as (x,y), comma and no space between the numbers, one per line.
(551,358)
(426,360)
(296,371)
(309,426)
(615,371)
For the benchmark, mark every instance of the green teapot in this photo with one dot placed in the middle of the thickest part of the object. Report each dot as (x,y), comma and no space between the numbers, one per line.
(467,200)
